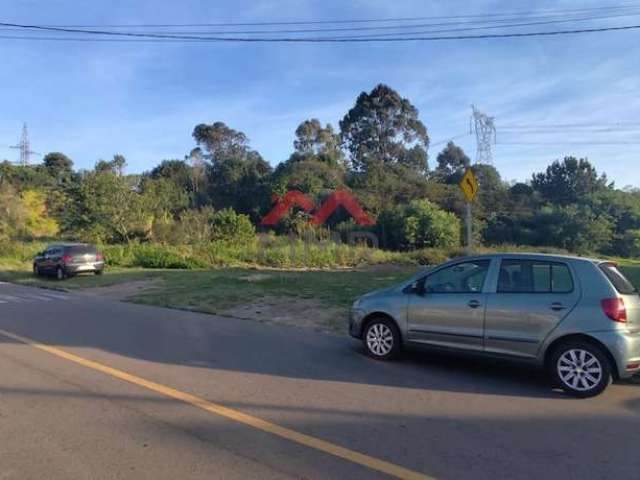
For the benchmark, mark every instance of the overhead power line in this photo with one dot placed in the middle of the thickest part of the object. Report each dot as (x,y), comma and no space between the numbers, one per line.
(488,27)
(404,28)
(357,21)
(200,38)
(450,139)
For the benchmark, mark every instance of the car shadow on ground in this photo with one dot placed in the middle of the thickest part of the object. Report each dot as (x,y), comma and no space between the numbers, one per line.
(495,375)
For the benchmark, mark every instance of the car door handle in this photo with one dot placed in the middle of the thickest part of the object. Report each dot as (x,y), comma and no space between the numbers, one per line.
(557,306)
(473,303)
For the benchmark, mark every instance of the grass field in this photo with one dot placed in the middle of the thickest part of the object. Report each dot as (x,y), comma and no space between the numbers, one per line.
(213,290)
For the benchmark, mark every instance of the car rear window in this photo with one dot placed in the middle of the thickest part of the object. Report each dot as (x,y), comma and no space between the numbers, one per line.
(619,281)
(81,249)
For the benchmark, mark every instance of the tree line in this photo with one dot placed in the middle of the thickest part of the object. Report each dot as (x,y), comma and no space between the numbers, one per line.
(222,188)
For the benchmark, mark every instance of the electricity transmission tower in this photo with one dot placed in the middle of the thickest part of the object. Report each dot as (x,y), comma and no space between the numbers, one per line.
(485,131)
(25,147)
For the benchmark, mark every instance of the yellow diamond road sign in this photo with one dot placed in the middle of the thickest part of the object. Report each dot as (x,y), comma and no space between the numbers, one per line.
(469,185)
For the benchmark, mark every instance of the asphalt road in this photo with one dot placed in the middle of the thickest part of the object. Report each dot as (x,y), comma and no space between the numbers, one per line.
(80,416)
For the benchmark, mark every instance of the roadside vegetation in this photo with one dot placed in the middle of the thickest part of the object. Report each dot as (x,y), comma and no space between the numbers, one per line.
(205,209)
(192,226)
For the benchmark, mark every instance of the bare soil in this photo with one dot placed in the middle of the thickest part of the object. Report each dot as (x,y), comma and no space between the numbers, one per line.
(291,311)
(122,291)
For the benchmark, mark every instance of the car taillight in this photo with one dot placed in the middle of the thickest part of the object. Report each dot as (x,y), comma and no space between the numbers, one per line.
(99,257)
(614,309)
(67,258)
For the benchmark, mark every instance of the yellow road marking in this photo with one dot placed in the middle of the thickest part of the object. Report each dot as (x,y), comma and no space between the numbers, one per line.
(250,420)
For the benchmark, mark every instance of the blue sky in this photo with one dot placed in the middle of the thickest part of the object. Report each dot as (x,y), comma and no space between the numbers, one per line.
(91,100)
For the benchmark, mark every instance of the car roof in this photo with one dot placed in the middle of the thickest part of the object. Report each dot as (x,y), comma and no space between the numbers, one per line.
(536,256)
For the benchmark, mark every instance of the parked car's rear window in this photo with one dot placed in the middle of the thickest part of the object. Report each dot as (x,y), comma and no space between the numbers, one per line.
(533,276)
(619,281)
(81,249)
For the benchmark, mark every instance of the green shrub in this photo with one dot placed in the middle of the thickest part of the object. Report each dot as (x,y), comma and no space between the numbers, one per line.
(156,256)
(118,255)
(207,225)
(230,226)
(420,224)
(226,254)
(427,225)
(20,251)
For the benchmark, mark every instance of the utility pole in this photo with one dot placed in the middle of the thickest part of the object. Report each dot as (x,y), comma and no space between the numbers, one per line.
(484,128)
(469,187)
(467,227)
(25,147)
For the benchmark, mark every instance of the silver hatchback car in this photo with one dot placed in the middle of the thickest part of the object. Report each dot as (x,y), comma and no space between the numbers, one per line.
(578,317)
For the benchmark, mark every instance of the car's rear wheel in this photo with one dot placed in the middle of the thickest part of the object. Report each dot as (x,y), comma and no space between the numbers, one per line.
(381,339)
(60,275)
(580,368)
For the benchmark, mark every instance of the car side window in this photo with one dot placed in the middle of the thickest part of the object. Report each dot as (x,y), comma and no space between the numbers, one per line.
(534,276)
(465,277)
(561,280)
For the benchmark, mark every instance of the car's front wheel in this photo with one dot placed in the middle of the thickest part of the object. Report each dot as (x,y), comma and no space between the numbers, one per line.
(581,368)
(382,338)
(36,270)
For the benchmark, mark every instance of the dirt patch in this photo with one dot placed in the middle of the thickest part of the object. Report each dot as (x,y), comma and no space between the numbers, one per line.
(123,291)
(292,311)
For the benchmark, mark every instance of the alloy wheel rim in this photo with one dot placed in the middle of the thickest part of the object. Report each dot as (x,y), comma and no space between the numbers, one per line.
(380,339)
(579,369)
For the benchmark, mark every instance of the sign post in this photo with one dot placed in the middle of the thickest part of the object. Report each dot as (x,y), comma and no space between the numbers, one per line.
(469,186)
